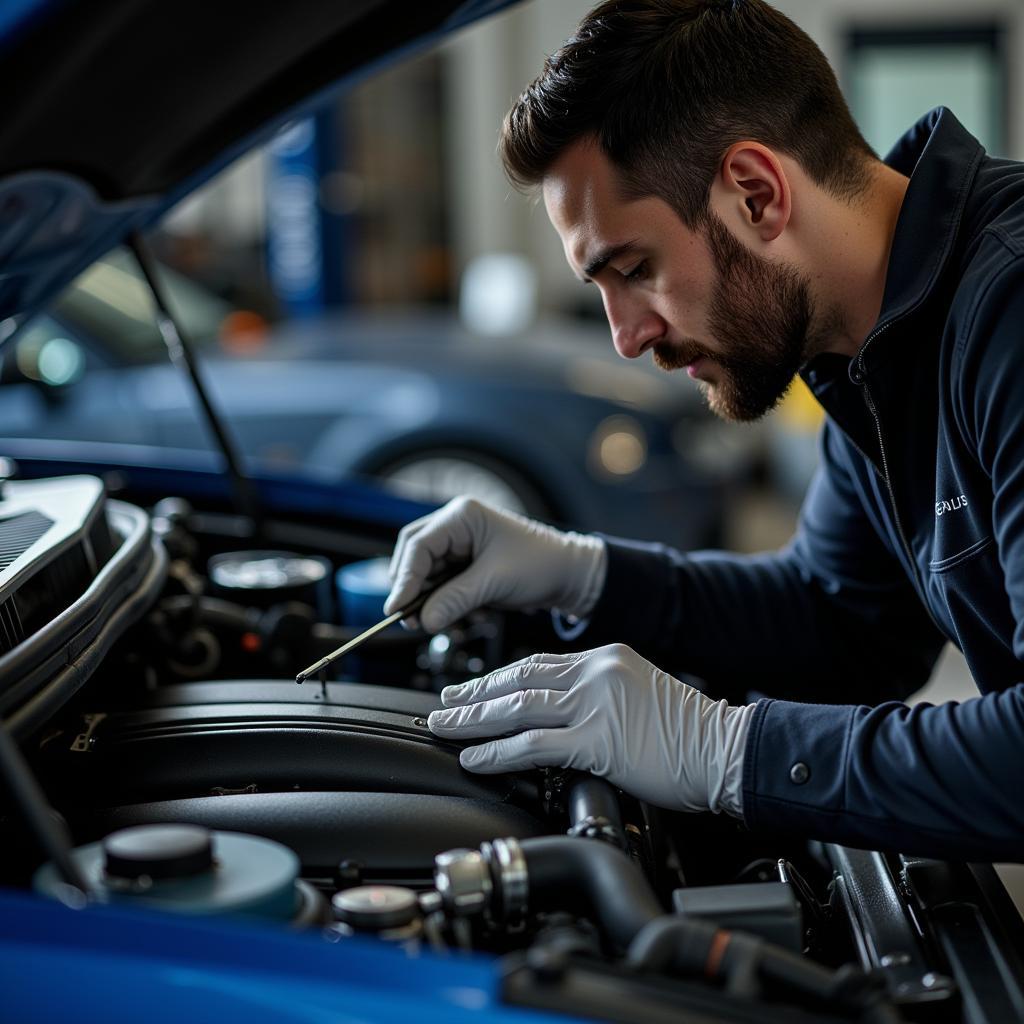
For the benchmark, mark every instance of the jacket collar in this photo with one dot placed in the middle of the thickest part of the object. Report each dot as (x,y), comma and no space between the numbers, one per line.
(941,158)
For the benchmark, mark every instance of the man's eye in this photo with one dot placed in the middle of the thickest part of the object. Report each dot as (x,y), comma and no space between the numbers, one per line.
(638,273)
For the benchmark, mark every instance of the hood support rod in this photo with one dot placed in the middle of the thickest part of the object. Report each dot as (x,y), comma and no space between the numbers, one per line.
(47,830)
(183,356)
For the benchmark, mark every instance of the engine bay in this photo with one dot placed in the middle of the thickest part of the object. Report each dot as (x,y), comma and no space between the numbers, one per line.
(146,676)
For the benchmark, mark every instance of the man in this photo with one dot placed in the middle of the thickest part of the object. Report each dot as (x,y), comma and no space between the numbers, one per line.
(703,172)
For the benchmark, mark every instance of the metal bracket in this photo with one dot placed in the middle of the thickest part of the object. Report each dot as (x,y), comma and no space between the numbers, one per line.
(83,742)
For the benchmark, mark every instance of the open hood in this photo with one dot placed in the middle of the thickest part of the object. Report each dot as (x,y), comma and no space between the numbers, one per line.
(114,111)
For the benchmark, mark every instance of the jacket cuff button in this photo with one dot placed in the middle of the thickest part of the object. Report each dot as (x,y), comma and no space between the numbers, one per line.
(799,773)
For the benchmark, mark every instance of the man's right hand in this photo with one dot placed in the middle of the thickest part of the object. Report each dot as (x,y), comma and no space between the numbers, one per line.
(514,563)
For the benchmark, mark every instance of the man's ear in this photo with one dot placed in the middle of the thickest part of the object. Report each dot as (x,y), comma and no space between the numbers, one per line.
(751,191)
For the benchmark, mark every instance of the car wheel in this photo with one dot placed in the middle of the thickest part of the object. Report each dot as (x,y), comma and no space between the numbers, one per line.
(439,476)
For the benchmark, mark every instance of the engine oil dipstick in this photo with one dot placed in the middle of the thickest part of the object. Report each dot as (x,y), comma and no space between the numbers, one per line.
(320,667)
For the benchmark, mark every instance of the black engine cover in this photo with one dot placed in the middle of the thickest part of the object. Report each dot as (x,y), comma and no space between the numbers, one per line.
(358,776)
(394,837)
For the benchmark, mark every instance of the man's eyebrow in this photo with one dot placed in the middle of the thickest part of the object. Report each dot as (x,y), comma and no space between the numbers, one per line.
(605,256)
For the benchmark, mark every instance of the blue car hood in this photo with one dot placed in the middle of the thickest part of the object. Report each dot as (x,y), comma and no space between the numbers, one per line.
(114,111)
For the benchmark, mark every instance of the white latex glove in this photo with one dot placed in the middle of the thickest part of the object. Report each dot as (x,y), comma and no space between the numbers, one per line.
(515,563)
(606,711)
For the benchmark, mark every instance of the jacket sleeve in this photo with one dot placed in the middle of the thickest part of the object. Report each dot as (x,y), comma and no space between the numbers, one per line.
(830,618)
(948,780)
(940,781)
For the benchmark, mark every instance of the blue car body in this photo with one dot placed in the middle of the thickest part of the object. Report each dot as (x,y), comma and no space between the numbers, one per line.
(115,965)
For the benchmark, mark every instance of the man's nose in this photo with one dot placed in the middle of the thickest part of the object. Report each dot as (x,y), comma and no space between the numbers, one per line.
(634,329)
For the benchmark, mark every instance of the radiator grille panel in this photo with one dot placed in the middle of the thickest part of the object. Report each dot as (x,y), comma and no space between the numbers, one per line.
(11,631)
(19,533)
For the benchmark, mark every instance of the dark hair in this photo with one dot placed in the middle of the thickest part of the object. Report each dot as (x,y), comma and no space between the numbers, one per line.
(666,86)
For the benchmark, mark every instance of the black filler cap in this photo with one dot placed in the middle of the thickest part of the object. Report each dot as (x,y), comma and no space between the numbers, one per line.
(158,851)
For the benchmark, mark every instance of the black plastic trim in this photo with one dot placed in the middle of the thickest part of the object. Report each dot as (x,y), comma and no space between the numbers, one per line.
(52,665)
(886,935)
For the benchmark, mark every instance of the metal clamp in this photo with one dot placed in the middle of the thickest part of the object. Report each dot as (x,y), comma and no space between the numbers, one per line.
(463,880)
(508,866)
(491,882)
(598,828)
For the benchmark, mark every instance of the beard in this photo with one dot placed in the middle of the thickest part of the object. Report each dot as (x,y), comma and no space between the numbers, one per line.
(761,317)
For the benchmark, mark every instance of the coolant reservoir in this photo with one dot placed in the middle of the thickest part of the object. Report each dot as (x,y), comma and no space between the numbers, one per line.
(189,869)
(363,588)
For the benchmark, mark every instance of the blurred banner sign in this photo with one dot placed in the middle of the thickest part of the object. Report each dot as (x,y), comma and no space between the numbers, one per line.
(294,228)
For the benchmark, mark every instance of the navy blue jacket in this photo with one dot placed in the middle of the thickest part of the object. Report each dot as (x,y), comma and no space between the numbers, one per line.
(912,534)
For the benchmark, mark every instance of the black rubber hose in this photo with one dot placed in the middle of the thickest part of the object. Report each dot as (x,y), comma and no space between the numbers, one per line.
(691,947)
(593,879)
(848,986)
(592,799)
(213,611)
(673,943)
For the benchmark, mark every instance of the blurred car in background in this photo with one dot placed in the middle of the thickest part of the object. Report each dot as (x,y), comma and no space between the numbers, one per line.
(550,423)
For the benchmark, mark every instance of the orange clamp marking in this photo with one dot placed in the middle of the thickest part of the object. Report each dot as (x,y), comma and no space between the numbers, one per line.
(719,944)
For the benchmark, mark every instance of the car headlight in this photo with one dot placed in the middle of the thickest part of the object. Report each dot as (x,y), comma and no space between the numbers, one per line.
(618,447)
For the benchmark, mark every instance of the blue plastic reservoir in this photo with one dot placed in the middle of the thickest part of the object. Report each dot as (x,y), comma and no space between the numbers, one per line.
(362,589)
(251,877)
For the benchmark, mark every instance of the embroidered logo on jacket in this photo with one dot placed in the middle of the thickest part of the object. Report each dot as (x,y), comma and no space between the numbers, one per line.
(960,501)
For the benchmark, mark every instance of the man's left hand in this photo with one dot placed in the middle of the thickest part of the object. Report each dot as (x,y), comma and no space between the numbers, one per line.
(607,711)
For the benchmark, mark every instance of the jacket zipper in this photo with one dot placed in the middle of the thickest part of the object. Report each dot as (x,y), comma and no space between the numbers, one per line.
(872,408)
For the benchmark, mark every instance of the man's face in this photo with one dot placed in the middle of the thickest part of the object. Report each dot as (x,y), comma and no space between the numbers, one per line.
(699,300)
